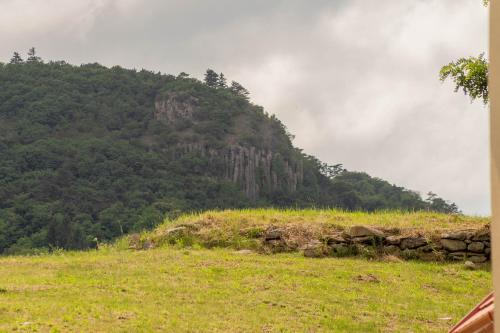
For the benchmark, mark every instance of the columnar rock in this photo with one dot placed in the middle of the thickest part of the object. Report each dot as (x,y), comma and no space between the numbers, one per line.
(253,169)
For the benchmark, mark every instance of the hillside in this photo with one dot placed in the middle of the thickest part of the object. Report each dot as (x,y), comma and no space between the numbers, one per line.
(90,153)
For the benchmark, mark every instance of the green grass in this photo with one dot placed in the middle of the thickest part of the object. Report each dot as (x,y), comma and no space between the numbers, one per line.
(200,290)
(388,219)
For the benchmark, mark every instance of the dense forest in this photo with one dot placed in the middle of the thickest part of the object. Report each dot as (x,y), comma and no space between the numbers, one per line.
(89,153)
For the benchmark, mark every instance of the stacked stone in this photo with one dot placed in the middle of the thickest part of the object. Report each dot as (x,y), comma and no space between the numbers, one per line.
(472,245)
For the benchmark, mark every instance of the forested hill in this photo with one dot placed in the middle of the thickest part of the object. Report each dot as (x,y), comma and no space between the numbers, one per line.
(89,152)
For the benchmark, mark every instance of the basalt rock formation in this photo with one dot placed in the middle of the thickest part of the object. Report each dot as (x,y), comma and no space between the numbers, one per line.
(256,170)
(171,108)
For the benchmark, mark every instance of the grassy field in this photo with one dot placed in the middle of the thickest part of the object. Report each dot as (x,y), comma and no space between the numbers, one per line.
(190,288)
(220,290)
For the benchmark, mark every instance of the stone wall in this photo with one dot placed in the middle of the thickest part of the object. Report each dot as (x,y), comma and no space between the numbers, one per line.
(471,245)
(326,239)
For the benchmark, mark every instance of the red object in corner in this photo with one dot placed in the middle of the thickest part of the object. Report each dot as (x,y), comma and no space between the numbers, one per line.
(479,320)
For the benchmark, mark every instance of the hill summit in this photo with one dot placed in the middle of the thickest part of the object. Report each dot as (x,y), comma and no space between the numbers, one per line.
(90,152)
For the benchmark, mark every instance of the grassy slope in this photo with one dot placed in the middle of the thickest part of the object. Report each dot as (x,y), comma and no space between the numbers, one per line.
(237,228)
(223,291)
(426,221)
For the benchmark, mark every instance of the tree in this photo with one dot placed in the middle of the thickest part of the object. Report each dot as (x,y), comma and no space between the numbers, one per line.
(238,89)
(437,204)
(331,171)
(16,59)
(32,57)
(183,75)
(222,81)
(211,78)
(469,74)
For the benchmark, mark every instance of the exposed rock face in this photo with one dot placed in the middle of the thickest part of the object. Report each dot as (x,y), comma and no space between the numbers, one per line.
(257,171)
(253,169)
(173,108)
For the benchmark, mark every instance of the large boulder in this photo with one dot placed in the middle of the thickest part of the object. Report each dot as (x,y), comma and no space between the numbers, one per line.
(457,235)
(413,242)
(479,258)
(364,231)
(453,245)
(315,249)
(476,247)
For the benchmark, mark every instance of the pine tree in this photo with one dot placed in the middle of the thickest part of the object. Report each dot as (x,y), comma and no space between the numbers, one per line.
(211,78)
(238,89)
(183,75)
(16,59)
(222,81)
(32,56)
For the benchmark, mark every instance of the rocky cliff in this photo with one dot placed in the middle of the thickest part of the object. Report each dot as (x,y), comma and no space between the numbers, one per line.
(256,170)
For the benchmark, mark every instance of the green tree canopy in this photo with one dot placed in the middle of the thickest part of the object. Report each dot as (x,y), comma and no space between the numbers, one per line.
(470,75)
(211,78)
(32,57)
(16,59)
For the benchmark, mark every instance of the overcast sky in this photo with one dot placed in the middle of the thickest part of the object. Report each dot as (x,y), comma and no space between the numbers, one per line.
(355,81)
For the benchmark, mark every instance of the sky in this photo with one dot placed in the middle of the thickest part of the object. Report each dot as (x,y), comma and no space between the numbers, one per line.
(355,81)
